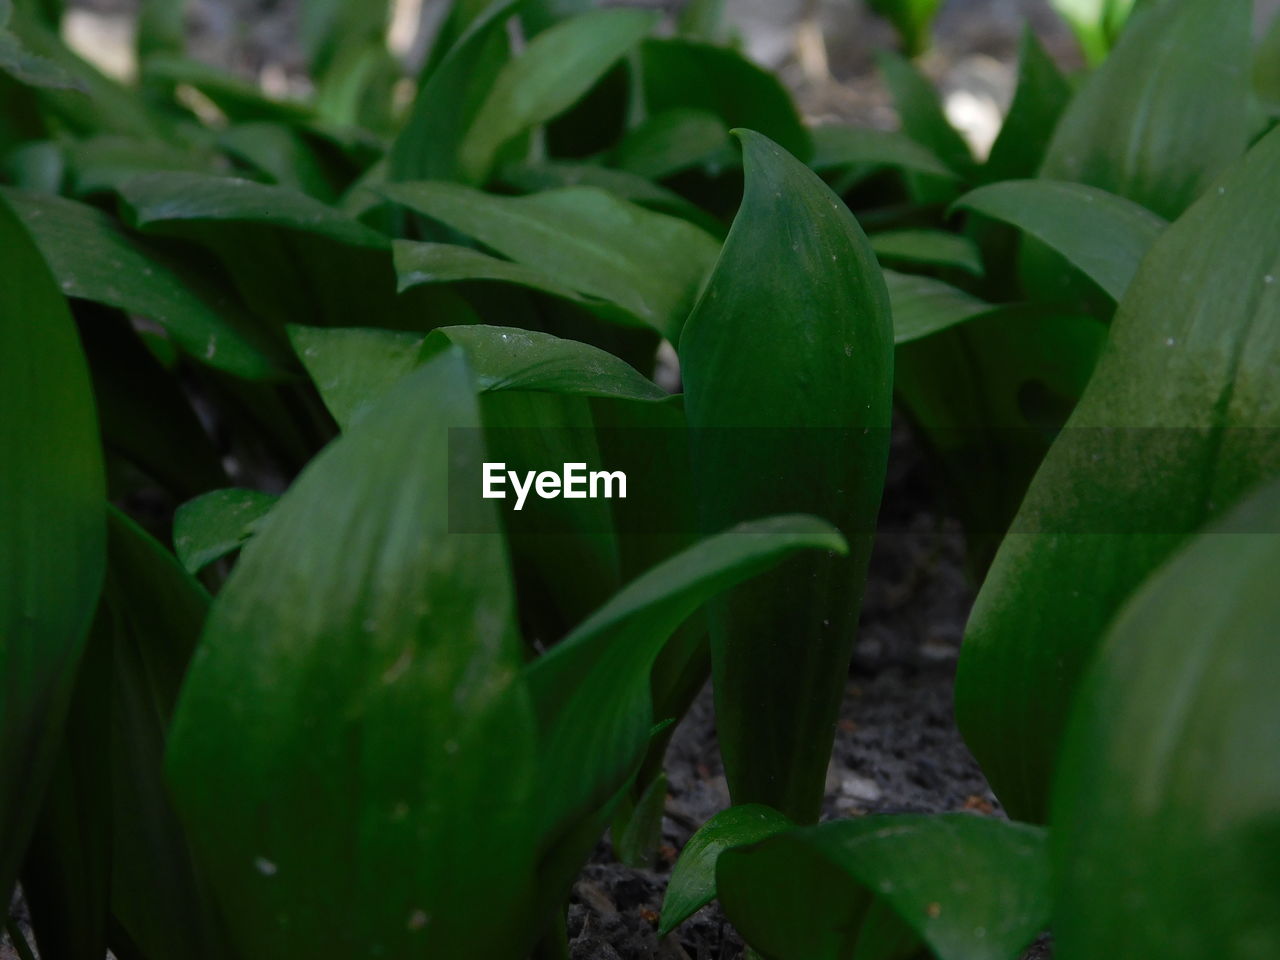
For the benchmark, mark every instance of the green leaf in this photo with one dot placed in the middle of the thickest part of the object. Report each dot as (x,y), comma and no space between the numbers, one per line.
(1180,393)
(217,523)
(1167,792)
(505,358)
(354,367)
(1166,112)
(788,367)
(352,751)
(284,155)
(931,248)
(102,164)
(923,306)
(685,74)
(693,880)
(1103,235)
(559,66)
(591,691)
(158,198)
(920,111)
(291,257)
(94,258)
(153,612)
(418,263)
(532,178)
(53,541)
(453,91)
(1041,97)
(970,888)
(912,19)
(837,146)
(32,70)
(647,263)
(672,141)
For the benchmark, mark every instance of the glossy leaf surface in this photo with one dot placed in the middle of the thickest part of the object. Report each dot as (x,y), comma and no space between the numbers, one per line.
(693,880)
(1166,112)
(559,66)
(217,523)
(787,363)
(649,264)
(1103,235)
(1184,391)
(351,749)
(1168,792)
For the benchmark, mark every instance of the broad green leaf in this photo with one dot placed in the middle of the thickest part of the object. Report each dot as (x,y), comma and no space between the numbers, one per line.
(94,258)
(532,178)
(293,259)
(102,164)
(53,539)
(912,19)
(788,367)
(930,248)
(217,523)
(1167,792)
(685,74)
(419,263)
(672,141)
(284,155)
(923,306)
(591,691)
(1166,112)
(153,613)
(1103,235)
(582,238)
(453,90)
(158,198)
(968,887)
(329,28)
(505,358)
(1181,393)
(559,66)
(32,70)
(837,146)
(693,880)
(921,114)
(353,368)
(352,751)
(1041,96)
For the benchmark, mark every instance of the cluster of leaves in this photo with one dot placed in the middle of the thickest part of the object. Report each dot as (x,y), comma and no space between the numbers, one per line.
(397,722)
